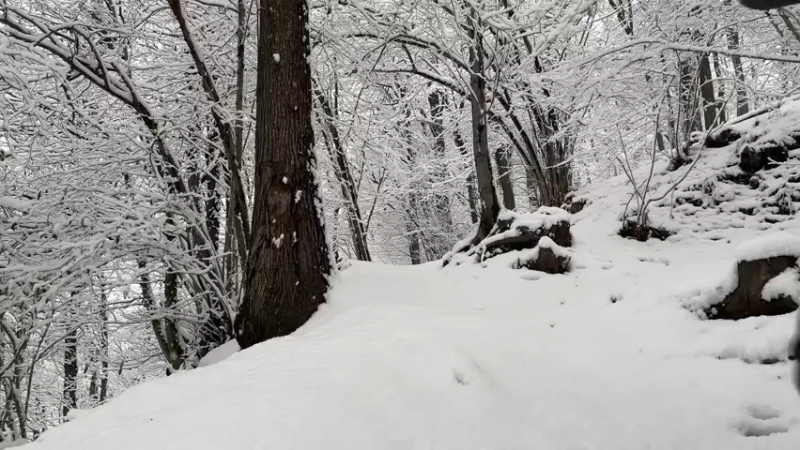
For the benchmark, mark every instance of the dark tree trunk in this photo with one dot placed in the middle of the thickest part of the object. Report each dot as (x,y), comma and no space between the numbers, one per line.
(472,194)
(502,157)
(721,106)
(436,101)
(70,401)
(103,375)
(165,335)
(289,261)
(490,207)
(742,106)
(688,99)
(707,94)
(438,240)
(412,228)
(533,190)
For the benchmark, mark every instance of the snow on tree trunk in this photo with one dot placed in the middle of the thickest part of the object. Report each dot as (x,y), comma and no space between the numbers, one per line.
(289,262)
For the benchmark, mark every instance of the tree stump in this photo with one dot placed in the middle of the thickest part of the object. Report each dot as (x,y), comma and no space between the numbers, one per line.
(523,231)
(549,258)
(746,300)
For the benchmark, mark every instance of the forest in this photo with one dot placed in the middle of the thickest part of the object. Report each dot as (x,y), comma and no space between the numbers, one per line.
(179,177)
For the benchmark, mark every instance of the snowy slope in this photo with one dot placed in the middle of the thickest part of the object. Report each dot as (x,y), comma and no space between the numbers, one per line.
(611,356)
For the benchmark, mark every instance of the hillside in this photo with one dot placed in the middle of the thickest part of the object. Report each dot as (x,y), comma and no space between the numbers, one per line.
(616,354)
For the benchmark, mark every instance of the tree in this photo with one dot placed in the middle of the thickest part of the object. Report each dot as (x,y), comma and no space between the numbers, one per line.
(289,261)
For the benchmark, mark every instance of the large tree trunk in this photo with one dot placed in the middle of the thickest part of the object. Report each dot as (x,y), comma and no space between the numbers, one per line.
(289,262)
(490,207)
(502,156)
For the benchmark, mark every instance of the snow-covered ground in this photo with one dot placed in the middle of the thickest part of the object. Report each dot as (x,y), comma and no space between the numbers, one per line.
(606,357)
(614,355)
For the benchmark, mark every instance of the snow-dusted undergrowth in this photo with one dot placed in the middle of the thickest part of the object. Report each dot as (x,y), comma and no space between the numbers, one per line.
(480,356)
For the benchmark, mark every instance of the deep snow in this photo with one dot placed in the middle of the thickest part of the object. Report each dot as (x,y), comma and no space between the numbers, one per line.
(614,355)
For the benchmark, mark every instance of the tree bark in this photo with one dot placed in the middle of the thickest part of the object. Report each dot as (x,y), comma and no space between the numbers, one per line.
(472,194)
(167,341)
(721,103)
(103,394)
(412,228)
(707,94)
(533,190)
(688,99)
(70,400)
(742,106)
(502,157)
(437,103)
(289,262)
(480,139)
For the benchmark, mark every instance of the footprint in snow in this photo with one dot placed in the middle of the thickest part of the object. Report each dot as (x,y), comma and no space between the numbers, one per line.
(466,370)
(762,420)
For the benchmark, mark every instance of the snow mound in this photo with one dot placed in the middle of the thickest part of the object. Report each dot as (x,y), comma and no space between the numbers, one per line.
(769,246)
(787,284)
(220,353)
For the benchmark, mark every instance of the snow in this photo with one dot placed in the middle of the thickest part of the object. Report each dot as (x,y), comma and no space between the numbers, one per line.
(220,353)
(76,413)
(15,444)
(786,284)
(769,246)
(545,216)
(277,58)
(13,203)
